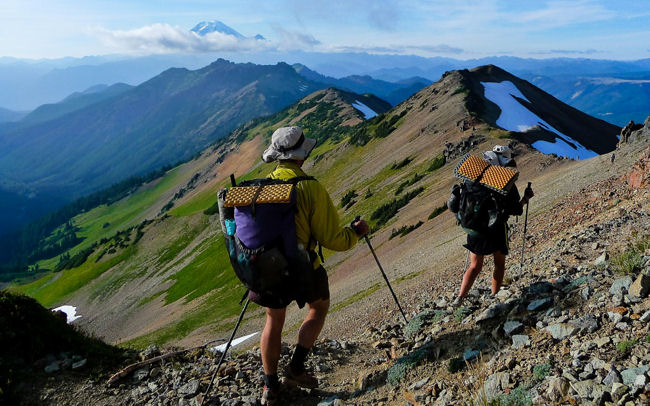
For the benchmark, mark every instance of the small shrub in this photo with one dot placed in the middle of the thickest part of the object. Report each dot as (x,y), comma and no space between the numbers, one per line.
(415,325)
(350,204)
(625,345)
(438,211)
(368,194)
(402,231)
(631,260)
(385,212)
(415,179)
(439,315)
(402,163)
(647,338)
(541,371)
(437,163)
(406,363)
(461,89)
(460,314)
(455,365)
(517,397)
(348,197)
(214,209)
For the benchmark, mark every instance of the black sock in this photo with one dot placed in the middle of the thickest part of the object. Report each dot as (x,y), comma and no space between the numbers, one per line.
(271,381)
(298,358)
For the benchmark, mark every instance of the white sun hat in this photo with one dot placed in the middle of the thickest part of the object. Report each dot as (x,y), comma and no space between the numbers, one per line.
(288,143)
(500,155)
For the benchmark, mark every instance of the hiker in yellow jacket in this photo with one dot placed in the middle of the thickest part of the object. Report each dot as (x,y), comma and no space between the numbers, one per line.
(316,221)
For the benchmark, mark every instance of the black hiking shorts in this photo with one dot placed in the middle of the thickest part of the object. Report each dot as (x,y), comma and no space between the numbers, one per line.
(314,288)
(489,243)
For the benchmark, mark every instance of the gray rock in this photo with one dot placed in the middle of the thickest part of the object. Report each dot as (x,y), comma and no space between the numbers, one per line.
(155,371)
(640,287)
(540,304)
(539,288)
(585,324)
(80,364)
(618,390)
(640,381)
(589,389)
(520,341)
(471,354)
(141,374)
(492,311)
(645,317)
(620,286)
(622,326)
(614,317)
(629,375)
(557,389)
(495,384)
(584,389)
(189,389)
(561,331)
(512,327)
(329,401)
(150,352)
(52,368)
(419,384)
(602,259)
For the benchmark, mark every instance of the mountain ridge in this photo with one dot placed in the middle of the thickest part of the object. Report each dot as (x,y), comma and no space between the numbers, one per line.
(165,257)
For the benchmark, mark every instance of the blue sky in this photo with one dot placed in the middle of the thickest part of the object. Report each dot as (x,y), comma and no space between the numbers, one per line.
(459,29)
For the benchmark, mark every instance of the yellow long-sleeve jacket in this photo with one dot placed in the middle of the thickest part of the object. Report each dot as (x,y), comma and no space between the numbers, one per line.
(316,217)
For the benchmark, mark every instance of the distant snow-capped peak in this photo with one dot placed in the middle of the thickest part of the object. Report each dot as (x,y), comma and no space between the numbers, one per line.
(206,27)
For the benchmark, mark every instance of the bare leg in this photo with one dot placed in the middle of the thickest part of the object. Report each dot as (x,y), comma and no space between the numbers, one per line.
(475,266)
(499,271)
(271,340)
(313,323)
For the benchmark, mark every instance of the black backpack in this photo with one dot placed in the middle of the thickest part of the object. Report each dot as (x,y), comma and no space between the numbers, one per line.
(260,236)
(478,209)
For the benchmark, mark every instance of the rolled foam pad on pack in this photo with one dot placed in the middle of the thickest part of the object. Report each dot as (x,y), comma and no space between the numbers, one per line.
(243,195)
(497,178)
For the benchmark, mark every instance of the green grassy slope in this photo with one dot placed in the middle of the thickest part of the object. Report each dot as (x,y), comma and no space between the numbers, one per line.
(174,264)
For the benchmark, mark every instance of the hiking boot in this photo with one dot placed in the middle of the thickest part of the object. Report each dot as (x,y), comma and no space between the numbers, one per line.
(269,397)
(303,379)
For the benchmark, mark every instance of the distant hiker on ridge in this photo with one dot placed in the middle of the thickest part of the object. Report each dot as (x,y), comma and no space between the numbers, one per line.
(495,241)
(316,221)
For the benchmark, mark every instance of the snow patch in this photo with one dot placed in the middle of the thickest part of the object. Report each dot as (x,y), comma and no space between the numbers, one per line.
(367,111)
(576,94)
(222,347)
(516,117)
(70,312)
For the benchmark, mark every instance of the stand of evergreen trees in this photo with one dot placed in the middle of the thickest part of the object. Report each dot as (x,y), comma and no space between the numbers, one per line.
(30,243)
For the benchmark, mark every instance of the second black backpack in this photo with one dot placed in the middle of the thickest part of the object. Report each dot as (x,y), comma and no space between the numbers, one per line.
(478,208)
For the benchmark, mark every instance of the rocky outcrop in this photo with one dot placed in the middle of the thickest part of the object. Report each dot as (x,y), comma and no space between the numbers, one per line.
(633,132)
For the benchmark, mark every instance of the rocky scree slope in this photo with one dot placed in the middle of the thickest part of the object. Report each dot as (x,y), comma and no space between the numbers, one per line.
(569,327)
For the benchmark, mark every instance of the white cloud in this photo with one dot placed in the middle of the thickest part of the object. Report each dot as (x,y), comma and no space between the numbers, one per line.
(164,38)
(562,13)
(290,40)
(398,49)
(567,52)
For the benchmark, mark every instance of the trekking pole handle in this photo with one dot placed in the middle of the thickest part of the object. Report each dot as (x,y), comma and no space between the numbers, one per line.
(352,226)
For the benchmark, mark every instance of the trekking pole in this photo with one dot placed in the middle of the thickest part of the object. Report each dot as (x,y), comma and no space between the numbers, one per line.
(523,241)
(382,272)
(223,354)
